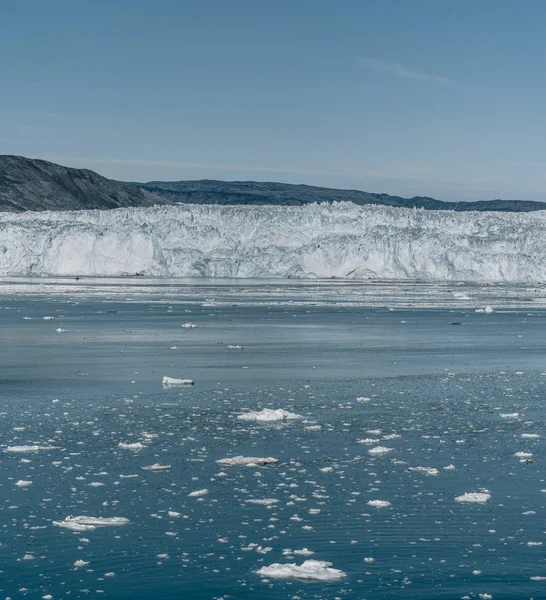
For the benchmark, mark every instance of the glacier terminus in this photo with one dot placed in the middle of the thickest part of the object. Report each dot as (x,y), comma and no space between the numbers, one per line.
(338,240)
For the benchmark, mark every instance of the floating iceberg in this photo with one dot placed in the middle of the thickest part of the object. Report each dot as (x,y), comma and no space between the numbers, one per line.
(156,467)
(309,569)
(29,448)
(173,381)
(247,461)
(131,446)
(268,414)
(379,503)
(198,493)
(474,497)
(83,523)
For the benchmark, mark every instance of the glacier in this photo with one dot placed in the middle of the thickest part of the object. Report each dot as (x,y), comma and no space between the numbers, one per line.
(338,240)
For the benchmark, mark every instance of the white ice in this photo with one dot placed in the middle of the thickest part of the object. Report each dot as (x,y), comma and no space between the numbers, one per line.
(268,414)
(339,240)
(247,461)
(310,569)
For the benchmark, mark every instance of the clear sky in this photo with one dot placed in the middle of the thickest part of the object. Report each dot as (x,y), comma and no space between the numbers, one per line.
(445,98)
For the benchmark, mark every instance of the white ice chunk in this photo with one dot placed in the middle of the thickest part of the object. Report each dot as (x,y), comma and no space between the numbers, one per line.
(29,448)
(198,493)
(474,497)
(156,467)
(379,503)
(174,381)
(247,461)
(310,569)
(131,446)
(268,414)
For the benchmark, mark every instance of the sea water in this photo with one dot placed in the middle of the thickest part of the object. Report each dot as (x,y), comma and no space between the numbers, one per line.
(412,460)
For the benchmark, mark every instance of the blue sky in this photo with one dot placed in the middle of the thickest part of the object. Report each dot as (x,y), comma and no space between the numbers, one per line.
(409,97)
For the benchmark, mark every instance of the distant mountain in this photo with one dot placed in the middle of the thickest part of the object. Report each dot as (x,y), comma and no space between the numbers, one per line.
(32,185)
(208,191)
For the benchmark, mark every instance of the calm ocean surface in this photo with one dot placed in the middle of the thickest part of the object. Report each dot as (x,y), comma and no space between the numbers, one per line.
(457,409)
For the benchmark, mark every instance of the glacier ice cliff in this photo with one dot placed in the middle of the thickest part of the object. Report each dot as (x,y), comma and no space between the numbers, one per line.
(339,240)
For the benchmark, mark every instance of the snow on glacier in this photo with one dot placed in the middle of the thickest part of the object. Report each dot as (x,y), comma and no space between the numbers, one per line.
(321,240)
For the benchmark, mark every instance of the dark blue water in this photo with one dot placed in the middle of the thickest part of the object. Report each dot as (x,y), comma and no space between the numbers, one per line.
(440,388)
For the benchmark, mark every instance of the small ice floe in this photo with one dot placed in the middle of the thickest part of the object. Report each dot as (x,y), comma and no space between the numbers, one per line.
(23,483)
(131,446)
(310,569)
(234,347)
(534,543)
(538,578)
(379,451)
(174,514)
(29,448)
(523,455)
(530,436)
(449,468)
(48,318)
(59,330)
(378,503)
(368,441)
(369,559)
(174,381)
(247,461)
(509,415)
(363,399)
(474,498)
(81,563)
(198,493)
(424,470)
(83,523)
(156,467)
(487,310)
(269,414)
(263,501)
(189,325)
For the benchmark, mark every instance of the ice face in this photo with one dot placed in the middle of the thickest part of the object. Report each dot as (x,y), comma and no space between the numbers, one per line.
(340,240)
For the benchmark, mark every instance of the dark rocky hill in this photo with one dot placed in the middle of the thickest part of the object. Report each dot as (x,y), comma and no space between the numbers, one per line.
(31,184)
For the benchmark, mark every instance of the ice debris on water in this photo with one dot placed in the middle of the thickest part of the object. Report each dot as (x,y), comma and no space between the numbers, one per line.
(247,461)
(263,502)
(310,569)
(198,493)
(29,448)
(23,483)
(156,467)
(379,450)
(174,381)
(83,523)
(424,470)
(474,497)
(189,325)
(379,503)
(131,446)
(268,414)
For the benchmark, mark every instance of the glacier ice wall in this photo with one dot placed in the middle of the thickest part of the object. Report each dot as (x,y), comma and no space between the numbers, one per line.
(340,240)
